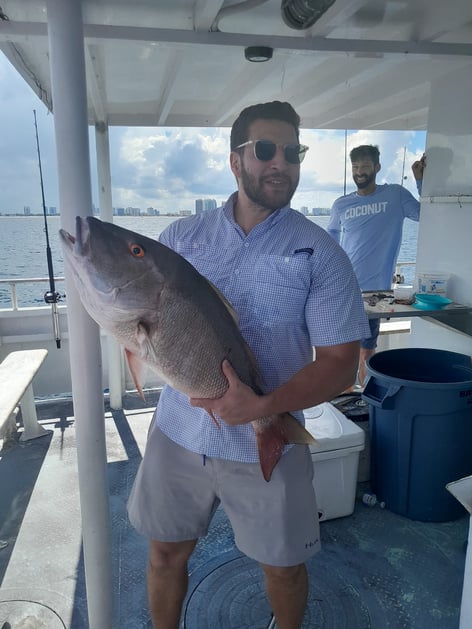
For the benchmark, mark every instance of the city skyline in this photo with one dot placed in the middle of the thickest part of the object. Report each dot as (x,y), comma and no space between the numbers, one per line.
(201,205)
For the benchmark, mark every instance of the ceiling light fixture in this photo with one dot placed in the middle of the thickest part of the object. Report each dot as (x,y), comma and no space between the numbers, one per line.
(301,14)
(258,54)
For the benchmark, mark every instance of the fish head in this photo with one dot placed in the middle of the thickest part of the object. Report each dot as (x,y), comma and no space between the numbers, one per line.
(118,277)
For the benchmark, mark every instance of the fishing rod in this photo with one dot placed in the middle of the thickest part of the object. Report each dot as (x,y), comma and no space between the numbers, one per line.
(403,166)
(345,159)
(51,296)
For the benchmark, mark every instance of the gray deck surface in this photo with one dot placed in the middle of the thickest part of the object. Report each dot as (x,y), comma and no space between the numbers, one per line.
(376,569)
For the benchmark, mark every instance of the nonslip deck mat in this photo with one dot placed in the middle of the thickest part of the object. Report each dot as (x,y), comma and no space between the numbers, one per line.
(376,569)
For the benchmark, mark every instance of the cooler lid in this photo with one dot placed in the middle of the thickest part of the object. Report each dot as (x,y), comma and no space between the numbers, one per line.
(331,429)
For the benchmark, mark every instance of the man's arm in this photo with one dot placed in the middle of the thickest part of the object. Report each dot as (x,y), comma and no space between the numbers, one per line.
(333,371)
(334,227)
(335,234)
(418,168)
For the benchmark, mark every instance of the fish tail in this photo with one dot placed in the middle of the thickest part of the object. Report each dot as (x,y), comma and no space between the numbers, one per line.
(273,434)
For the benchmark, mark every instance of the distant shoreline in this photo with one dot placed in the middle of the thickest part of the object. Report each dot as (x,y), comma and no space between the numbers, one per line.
(19,215)
(169,214)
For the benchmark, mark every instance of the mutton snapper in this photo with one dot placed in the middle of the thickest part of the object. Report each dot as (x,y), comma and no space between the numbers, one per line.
(169,317)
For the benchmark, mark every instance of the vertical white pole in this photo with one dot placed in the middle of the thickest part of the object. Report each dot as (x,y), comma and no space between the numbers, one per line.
(106,213)
(103,169)
(66,48)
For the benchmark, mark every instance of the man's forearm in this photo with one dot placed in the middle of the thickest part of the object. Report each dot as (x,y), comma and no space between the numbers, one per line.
(320,381)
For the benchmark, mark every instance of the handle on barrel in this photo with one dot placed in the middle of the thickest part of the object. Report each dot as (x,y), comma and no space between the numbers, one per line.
(379,395)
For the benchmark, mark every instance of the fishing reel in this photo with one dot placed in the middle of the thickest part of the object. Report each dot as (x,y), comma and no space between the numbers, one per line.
(398,278)
(52,297)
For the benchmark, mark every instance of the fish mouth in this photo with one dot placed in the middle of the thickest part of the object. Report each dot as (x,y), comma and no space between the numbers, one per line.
(79,242)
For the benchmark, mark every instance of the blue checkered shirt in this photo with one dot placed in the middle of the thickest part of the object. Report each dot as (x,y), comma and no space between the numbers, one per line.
(293,288)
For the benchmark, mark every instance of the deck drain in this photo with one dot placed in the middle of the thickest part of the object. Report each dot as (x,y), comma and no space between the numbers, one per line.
(229,592)
(28,615)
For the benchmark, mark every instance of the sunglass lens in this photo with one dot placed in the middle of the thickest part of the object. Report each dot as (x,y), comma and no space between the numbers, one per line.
(264,150)
(291,152)
(295,153)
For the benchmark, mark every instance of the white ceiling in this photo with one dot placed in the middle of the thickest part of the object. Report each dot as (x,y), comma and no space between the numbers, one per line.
(363,65)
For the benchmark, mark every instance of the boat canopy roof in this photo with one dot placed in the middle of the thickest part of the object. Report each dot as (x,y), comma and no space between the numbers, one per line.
(343,64)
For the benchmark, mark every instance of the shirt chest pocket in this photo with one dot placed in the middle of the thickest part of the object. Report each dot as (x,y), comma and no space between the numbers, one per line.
(210,261)
(281,288)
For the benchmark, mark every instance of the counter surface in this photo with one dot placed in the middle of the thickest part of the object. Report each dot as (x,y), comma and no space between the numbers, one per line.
(385,307)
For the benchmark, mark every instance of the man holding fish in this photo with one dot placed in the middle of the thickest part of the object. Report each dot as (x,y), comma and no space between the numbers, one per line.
(284,295)
(233,335)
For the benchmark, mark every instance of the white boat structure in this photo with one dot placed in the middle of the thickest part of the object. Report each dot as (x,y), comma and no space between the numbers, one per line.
(343,64)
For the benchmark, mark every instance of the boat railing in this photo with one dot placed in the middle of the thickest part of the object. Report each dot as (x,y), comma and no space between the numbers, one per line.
(9,297)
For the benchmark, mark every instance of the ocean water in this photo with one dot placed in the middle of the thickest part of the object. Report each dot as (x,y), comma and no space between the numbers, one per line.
(23,247)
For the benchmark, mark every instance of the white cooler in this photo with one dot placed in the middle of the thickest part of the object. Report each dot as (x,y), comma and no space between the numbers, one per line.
(335,459)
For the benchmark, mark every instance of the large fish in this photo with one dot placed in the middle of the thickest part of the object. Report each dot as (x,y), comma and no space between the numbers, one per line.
(169,317)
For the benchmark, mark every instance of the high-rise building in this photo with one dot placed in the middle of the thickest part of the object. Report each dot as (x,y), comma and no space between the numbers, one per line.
(132,211)
(27,210)
(202,205)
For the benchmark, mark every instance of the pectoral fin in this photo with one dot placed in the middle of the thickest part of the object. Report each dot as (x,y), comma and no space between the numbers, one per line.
(138,370)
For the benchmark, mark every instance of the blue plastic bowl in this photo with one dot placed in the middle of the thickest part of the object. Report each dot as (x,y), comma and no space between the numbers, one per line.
(427,301)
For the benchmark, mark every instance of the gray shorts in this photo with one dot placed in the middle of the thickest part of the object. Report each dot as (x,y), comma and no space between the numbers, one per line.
(176,492)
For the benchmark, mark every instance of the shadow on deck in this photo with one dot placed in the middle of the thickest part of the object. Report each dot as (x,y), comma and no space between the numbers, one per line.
(376,570)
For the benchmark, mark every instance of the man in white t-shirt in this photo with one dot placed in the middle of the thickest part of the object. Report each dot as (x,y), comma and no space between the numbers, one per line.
(368,224)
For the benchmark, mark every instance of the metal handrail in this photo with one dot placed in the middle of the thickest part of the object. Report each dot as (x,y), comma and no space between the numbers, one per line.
(13,282)
(398,277)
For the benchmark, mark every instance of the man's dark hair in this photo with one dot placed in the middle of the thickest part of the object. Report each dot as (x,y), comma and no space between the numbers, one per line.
(276,110)
(366,151)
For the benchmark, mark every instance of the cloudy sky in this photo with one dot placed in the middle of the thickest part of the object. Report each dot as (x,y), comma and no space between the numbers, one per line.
(168,168)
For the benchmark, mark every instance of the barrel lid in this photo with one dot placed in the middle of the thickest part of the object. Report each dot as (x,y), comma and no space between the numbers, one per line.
(331,429)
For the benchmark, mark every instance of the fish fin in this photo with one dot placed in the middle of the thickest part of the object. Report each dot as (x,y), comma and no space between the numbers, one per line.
(210,413)
(227,304)
(137,369)
(256,379)
(273,434)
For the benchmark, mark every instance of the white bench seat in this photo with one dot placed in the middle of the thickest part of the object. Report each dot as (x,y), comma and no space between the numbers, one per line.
(17,371)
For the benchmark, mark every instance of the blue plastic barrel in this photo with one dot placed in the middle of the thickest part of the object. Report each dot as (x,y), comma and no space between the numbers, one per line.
(420,422)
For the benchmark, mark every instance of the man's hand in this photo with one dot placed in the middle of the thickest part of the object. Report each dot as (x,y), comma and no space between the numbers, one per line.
(418,167)
(238,405)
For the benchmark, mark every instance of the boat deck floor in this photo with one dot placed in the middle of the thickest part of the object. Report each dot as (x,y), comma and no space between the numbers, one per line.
(375,570)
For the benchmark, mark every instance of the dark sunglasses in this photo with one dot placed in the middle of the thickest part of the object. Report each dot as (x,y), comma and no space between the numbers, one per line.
(265,150)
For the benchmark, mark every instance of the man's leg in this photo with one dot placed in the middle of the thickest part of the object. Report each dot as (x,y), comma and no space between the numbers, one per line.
(367,350)
(173,498)
(365,354)
(287,589)
(277,525)
(167,579)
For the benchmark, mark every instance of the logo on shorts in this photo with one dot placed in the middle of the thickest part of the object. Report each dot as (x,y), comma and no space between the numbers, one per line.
(310,544)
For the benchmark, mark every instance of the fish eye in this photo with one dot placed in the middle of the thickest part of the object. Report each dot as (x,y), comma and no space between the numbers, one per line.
(136,250)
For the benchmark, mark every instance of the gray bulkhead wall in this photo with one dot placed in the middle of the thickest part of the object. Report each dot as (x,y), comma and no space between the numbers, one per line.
(445,230)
